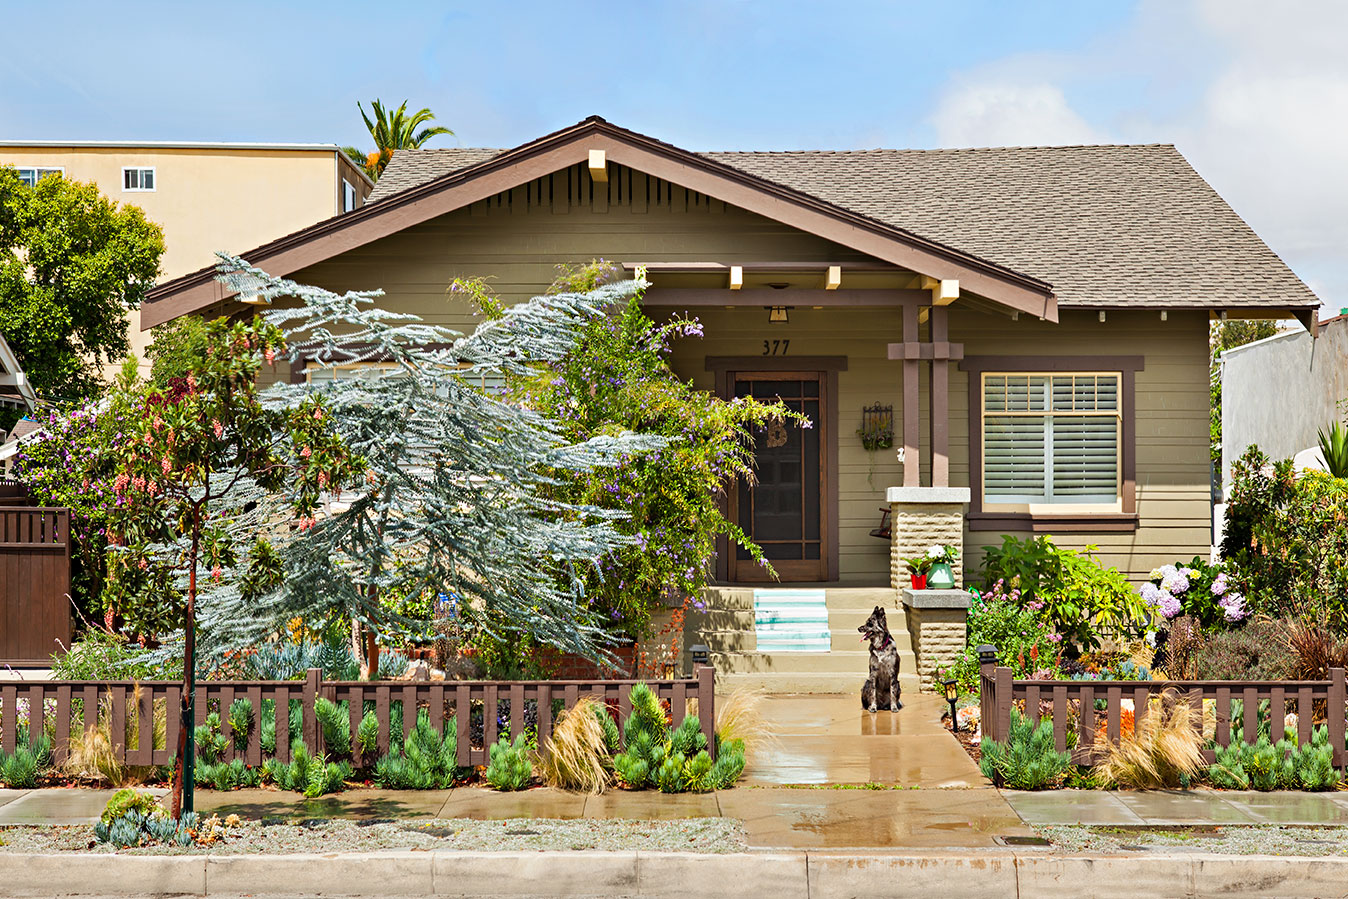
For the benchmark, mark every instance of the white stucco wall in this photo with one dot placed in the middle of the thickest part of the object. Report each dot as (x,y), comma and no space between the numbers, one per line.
(1279,392)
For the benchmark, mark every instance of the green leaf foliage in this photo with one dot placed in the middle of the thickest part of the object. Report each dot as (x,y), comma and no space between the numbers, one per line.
(72,265)
(21,769)
(509,767)
(312,775)
(426,760)
(1027,759)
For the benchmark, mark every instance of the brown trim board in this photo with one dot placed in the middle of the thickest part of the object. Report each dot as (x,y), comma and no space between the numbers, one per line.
(726,368)
(571,146)
(1128,366)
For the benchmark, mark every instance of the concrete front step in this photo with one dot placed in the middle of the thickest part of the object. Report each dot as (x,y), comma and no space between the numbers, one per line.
(798,682)
(742,598)
(847,662)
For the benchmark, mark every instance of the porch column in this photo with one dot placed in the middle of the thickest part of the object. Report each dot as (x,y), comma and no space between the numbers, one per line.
(940,352)
(912,472)
(940,397)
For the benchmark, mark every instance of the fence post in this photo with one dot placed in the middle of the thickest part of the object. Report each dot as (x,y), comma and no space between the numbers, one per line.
(1338,695)
(987,688)
(1002,712)
(313,682)
(706,705)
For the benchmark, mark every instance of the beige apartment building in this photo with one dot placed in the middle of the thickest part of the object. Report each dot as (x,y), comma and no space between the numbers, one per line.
(206,196)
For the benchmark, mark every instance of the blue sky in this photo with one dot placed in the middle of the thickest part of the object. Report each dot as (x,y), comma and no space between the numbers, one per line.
(1257,99)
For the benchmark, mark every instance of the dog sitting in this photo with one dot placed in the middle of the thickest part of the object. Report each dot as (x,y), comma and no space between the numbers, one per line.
(881,689)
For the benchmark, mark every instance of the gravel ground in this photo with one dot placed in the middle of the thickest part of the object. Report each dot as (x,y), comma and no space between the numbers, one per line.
(1244,839)
(688,835)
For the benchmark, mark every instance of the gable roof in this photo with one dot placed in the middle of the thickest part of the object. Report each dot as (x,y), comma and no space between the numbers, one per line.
(1107,225)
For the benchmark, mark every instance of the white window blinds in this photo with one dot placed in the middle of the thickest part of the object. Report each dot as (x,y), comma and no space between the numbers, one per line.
(1051,438)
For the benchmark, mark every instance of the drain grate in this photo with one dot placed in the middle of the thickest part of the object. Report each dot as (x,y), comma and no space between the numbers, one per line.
(1023,841)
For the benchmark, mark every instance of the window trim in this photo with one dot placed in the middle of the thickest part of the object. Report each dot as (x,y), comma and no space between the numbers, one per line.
(1124,517)
(35,169)
(349,193)
(140,168)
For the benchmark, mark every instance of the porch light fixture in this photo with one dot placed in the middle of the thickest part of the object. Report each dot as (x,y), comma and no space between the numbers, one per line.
(777,314)
(952,692)
(700,653)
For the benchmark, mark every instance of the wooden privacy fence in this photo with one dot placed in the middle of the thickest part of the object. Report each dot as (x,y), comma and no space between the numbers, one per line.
(124,706)
(34,584)
(1076,706)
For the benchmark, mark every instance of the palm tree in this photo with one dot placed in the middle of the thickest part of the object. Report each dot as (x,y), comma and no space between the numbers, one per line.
(396,131)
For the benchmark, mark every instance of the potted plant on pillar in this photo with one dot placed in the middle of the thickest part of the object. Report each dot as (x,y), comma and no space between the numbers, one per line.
(940,576)
(918,567)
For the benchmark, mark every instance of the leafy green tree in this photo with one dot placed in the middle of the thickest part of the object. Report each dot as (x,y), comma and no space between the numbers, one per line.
(196,459)
(394,130)
(617,378)
(72,263)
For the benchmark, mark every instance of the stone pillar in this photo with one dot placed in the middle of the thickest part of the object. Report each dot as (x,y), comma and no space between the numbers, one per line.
(936,622)
(920,517)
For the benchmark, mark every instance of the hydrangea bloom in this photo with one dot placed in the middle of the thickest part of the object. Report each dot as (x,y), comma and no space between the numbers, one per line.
(1175,582)
(1233,607)
(1151,594)
(1219,584)
(1169,605)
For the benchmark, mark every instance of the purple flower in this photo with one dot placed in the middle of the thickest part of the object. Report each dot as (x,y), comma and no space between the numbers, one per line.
(1233,607)
(1169,605)
(1151,594)
(1219,585)
(1175,582)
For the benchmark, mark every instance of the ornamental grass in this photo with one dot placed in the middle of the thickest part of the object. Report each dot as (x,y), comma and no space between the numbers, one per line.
(739,716)
(1166,750)
(577,755)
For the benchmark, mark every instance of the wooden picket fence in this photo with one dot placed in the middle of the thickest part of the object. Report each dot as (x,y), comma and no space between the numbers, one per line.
(128,706)
(1073,706)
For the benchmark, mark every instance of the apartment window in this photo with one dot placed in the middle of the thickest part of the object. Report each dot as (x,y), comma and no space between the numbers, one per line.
(33,174)
(348,196)
(138,179)
(1051,438)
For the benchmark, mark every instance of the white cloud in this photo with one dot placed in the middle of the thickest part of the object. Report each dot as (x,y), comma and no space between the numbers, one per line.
(1254,94)
(984,114)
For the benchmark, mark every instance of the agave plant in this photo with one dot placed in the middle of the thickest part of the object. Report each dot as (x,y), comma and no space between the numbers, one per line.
(1334,447)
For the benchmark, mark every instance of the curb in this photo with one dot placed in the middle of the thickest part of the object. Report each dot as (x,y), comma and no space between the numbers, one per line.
(781,875)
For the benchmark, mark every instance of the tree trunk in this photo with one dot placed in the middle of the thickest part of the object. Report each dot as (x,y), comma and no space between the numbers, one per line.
(184,765)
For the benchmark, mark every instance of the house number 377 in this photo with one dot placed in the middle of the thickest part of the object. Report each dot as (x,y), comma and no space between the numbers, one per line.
(775,347)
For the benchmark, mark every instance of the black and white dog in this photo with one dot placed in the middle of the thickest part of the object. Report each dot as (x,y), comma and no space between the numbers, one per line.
(881,689)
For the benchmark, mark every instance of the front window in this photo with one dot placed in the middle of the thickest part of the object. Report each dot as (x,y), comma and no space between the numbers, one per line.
(31,175)
(348,196)
(138,179)
(1051,439)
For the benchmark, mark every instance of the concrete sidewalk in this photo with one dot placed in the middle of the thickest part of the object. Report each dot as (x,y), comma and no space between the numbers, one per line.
(1160,808)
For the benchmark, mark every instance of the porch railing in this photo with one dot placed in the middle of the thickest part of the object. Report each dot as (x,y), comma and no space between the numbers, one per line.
(133,711)
(1093,710)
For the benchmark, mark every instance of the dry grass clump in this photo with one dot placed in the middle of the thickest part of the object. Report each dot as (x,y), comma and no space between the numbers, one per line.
(1314,651)
(90,755)
(577,756)
(739,716)
(1166,751)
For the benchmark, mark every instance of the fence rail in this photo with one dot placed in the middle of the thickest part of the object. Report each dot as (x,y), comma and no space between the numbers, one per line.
(1074,705)
(125,707)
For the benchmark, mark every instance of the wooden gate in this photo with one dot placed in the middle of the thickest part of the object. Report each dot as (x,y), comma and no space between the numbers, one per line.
(34,584)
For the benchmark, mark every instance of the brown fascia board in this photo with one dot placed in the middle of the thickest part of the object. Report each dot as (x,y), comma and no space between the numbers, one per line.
(570,146)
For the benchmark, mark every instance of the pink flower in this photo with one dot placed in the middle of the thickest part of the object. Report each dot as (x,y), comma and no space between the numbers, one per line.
(306,453)
(166,465)
(1055,638)
(318,414)
(217,572)
(269,355)
(218,428)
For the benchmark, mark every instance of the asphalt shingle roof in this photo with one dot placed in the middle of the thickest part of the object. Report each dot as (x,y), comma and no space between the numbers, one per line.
(1112,225)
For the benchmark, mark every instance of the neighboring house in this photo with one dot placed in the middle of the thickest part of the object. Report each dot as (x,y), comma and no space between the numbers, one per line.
(206,196)
(1033,321)
(1279,392)
(15,391)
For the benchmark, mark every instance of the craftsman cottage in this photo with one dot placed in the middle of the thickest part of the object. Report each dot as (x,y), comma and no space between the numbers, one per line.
(988,341)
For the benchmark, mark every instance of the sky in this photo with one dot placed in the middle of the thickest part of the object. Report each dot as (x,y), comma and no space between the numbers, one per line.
(1254,93)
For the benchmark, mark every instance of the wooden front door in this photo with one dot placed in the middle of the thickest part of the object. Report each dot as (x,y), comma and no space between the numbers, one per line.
(785,513)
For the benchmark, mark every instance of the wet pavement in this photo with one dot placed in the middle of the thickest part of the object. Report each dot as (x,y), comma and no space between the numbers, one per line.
(1161,808)
(833,776)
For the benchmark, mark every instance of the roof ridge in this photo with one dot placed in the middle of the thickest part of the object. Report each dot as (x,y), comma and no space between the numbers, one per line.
(1105,146)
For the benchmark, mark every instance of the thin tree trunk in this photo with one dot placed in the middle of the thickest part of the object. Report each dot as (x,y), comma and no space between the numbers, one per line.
(184,763)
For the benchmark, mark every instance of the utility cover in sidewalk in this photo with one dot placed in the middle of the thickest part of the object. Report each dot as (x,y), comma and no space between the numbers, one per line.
(788,620)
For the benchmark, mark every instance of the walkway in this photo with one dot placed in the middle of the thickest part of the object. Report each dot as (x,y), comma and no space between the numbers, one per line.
(1161,808)
(801,793)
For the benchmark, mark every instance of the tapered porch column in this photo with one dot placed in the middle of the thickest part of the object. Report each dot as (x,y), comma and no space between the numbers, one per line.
(940,352)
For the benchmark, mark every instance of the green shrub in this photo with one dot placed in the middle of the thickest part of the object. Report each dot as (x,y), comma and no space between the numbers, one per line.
(1081,597)
(426,761)
(367,734)
(671,760)
(1025,640)
(21,769)
(1027,760)
(134,827)
(1257,651)
(240,722)
(211,744)
(127,800)
(336,724)
(231,775)
(1275,766)
(1286,541)
(312,775)
(509,768)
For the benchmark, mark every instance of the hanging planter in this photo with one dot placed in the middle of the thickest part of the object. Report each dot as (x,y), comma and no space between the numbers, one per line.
(877,427)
